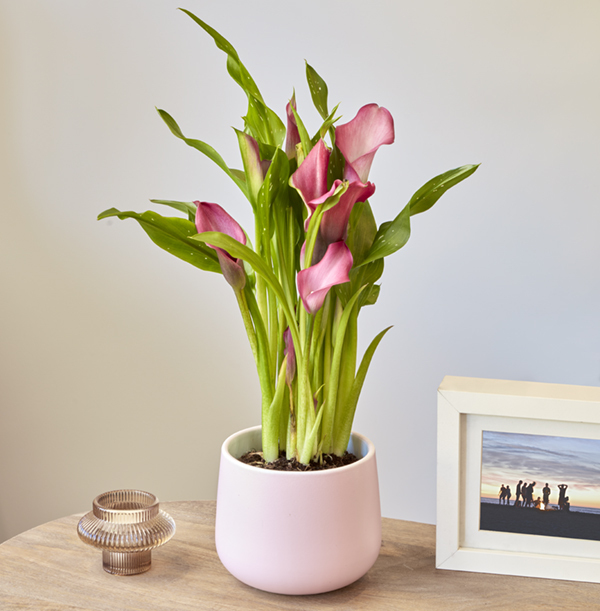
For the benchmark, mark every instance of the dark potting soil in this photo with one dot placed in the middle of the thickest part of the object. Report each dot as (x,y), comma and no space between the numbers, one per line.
(330,461)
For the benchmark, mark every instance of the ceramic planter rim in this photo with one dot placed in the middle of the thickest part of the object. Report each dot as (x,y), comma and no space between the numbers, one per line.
(276,473)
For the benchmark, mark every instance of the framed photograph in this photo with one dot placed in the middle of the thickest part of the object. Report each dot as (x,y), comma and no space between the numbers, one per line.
(518,478)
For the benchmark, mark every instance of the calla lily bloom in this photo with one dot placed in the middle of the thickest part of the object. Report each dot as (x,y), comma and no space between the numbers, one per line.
(310,179)
(334,225)
(211,217)
(314,282)
(359,139)
(292,136)
(254,167)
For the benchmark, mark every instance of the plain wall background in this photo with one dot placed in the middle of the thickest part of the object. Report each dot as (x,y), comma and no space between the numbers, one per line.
(123,367)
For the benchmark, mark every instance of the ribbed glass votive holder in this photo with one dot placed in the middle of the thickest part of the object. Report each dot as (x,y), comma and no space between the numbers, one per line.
(126,525)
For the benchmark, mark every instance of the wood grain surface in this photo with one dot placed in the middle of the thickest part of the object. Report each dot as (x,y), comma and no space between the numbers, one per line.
(49,569)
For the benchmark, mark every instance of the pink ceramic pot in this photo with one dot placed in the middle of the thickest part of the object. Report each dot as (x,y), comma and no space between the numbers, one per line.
(297,533)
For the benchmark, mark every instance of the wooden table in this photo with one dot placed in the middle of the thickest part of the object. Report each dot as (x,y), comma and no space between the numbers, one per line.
(49,569)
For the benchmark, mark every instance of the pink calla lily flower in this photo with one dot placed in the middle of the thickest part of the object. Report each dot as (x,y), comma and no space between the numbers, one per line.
(359,139)
(314,282)
(292,136)
(255,168)
(310,179)
(334,225)
(211,217)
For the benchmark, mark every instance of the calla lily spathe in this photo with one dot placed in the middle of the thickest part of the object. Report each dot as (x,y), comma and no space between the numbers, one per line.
(310,179)
(255,168)
(359,139)
(334,225)
(212,217)
(292,137)
(314,282)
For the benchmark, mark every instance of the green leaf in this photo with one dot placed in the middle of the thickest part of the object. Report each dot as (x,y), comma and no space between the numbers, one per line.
(275,182)
(204,148)
(365,275)
(188,208)
(334,375)
(432,190)
(239,173)
(236,69)
(362,230)
(172,235)
(327,125)
(373,296)
(391,236)
(318,90)
(271,418)
(337,163)
(306,452)
(345,416)
(264,124)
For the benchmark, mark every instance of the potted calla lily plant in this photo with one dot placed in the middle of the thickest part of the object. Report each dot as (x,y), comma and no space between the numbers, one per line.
(301,279)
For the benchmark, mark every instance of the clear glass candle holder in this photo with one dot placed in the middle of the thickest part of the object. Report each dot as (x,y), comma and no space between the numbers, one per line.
(126,525)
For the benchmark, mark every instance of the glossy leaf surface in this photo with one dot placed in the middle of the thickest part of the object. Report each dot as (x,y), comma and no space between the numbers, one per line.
(174,236)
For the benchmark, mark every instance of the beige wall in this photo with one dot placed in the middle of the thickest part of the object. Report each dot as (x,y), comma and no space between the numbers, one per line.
(122,367)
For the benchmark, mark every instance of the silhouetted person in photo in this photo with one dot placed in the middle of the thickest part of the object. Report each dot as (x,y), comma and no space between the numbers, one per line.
(508,495)
(518,493)
(523,494)
(527,492)
(501,494)
(530,494)
(562,489)
(546,490)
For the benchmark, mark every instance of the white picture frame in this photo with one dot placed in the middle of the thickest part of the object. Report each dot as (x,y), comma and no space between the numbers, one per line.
(466,407)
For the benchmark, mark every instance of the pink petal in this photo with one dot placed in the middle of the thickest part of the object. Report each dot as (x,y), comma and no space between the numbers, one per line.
(315,281)
(292,136)
(310,179)
(211,217)
(233,269)
(334,225)
(359,139)
(314,203)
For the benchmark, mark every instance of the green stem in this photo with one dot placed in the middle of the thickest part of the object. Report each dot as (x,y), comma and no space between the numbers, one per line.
(249,307)
(271,419)
(247,319)
(306,407)
(261,287)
